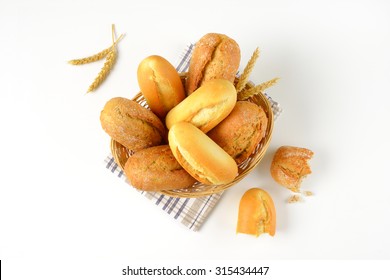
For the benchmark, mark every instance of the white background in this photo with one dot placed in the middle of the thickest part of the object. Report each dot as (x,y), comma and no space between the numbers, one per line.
(59,203)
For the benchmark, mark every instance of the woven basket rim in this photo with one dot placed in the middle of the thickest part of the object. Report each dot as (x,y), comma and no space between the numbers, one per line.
(120,153)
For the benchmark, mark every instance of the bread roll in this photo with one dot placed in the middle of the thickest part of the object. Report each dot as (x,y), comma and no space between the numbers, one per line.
(156,169)
(201,156)
(290,165)
(206,107)
(240,132)
(216,56)
(160,84)
(132,125)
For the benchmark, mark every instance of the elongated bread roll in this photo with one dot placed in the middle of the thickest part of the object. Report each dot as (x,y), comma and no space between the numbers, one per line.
(132,125)
(156,169)
(201,156)
(160,84)
(216,56)
(205,107)
(240,132)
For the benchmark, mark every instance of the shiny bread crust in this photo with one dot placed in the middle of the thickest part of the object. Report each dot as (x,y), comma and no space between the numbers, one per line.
(160,84)
(206,107)
(201,156)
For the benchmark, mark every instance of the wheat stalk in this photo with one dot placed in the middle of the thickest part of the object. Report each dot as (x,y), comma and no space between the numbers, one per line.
(108,64)
(94,57)
(89,59)
(247,93)
(243,79)
(106,69)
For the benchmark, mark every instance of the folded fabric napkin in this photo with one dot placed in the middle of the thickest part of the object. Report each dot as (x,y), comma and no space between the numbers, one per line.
(191,212)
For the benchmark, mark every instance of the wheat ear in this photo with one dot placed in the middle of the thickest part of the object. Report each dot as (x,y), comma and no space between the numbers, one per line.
(94,57)
(89,59)
(108,64)
(247,93)
(243,79)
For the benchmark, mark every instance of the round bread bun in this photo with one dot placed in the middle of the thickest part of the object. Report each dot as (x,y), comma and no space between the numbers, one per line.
(205,107)
(156,169)
(132,125)
(160,84)
(240,132)
(201,156)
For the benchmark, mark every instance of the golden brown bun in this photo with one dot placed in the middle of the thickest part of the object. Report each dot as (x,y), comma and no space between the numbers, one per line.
(290,165)
(216,56)
(132,125)
(156,169)
(206,107)
(201,156)
(240,132)
(160,84)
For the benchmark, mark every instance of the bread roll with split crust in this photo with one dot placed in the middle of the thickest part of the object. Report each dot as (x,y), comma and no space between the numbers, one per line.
(132,125)
(160,84)
(201,156)
(206,107)
(156,169)
(216,56)
(240,132)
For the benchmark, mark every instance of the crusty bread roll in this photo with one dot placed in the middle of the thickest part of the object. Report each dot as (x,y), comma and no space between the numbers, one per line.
(132,125)
(216,56)
(206,107)
(160,84)
(290,165)
(201,156)
(240,132)
(156,169)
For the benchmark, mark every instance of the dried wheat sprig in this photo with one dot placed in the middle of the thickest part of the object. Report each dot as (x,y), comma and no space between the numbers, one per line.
(94,57)
(89,59)
(243,79)
(247,93)
(108,65)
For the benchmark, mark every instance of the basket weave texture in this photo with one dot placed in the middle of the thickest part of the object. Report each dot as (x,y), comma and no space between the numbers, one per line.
(121,154)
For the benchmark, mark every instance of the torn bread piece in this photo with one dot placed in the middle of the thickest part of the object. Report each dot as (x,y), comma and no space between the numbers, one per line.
(256,213)
(290,165)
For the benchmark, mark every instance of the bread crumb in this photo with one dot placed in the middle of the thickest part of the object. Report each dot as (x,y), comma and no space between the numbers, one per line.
(294,199)
(307,193)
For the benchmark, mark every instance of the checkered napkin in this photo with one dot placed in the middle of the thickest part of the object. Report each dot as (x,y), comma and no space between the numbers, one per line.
(191,212)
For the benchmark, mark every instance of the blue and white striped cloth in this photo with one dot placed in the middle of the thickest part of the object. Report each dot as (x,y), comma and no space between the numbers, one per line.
(191,212)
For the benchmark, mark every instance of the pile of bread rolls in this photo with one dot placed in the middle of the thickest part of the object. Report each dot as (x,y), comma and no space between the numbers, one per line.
(194,129)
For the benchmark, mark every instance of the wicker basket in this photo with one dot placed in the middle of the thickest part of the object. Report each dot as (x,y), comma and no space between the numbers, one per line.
(121,154)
